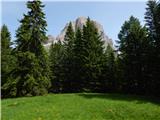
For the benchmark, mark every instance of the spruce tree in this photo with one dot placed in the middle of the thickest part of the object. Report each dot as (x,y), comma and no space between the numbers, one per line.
(152,18)
(108,80)
(92,56)
(78,60)
(32,73)
(68,60)
(5,52)
(56,55)
(132,45)
(8,60)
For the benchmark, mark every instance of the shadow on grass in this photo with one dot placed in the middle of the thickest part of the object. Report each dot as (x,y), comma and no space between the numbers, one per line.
(121,97)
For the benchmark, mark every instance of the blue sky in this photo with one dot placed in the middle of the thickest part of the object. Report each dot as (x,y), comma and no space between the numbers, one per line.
(110,14)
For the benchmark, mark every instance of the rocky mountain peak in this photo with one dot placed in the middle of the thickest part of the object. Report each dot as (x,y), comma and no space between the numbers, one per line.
(79,23)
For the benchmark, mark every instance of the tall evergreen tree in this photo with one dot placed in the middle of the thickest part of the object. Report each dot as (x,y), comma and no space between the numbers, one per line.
(78,60)
(131,47)
(92,56)
(31,77)
(5,52)
(68,59)
(108,83)
(56,59)
(7,58)
(152,18)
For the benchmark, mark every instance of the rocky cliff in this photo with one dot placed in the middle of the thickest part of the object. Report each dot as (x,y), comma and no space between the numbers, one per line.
(78,23)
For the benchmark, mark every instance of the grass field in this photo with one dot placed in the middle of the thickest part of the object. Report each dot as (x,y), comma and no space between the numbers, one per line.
(81,107)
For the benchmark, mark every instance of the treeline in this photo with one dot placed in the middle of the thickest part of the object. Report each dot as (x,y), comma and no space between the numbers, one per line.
(81,63)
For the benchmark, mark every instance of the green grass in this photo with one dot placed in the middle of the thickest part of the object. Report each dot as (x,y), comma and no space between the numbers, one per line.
(81,107)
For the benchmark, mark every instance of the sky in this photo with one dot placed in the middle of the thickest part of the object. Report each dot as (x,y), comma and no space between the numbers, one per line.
(111,15)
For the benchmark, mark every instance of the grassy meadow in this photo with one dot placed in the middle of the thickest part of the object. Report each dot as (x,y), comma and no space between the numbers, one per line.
(84,106)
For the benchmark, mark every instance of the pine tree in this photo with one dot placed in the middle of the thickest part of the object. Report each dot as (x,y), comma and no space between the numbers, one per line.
(68,60)
(8,61)
(78,60)
(92,56)
(5,43)
(132,42)
(31,77)
(152,18)
(108,83)
(56,59)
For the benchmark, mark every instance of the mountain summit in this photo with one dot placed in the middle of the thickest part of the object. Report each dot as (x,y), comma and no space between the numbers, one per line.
(78,23)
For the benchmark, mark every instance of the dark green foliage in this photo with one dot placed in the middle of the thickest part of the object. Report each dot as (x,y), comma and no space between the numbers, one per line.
(132,47)
(67,62)
(78,60)
(5,52)
(61,60)
(27,80)
(108,80)
(80,66)
(5,38)
(7,58)
(138,65)
(56,59)
(31,76)
(92,56)
(152,18)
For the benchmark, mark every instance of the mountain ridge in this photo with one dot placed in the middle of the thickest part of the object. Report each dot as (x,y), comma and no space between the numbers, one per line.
(78,23)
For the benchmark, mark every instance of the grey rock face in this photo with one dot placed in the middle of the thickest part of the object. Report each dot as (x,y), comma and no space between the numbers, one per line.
(50,40)
(79,23)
